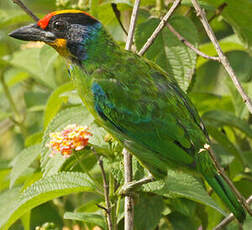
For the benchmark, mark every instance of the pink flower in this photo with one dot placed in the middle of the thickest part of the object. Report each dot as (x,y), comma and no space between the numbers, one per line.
(73,137)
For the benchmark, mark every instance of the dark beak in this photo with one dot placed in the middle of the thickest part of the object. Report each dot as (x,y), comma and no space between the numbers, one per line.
(33,33)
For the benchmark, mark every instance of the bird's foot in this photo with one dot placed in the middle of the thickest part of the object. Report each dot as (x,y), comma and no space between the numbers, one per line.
(129,188)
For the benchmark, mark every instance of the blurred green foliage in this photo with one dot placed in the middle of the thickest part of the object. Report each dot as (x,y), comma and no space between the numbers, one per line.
(37,97)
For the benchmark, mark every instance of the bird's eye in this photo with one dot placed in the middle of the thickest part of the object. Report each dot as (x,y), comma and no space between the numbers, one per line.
(59,25)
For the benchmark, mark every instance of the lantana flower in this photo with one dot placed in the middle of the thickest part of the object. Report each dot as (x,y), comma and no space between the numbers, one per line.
(72,138)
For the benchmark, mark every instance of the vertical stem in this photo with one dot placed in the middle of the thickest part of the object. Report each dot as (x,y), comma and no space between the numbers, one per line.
(132,25)
(10,99)
(129,202)
(106,195)
(86,171)
(18,120)
(159,5)
(223,58)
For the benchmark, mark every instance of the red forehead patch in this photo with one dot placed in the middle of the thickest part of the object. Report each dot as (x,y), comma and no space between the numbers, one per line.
(43,23)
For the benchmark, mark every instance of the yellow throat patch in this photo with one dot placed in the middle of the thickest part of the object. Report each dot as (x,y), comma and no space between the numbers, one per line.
(60,45)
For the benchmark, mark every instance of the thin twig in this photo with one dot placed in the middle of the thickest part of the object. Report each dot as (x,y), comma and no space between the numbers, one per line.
(26,9)
(230,217)
(17,119)
(132,25)
(221,55)
(106,195)
(218,11)
(127,188)
(159,28)
(118,17)
(190,45)
(129,202)
(75,153)
(220,170)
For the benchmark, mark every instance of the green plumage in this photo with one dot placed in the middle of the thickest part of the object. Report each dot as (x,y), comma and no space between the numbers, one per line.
(146,110)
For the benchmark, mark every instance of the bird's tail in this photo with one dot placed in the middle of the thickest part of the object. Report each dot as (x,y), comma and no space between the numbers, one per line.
(216,181)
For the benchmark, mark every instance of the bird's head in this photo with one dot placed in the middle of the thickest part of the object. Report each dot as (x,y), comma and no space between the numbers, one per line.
(68,31)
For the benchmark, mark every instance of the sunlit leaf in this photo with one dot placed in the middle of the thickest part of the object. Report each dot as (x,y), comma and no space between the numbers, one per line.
(55,102)
(44,190)
(220,118)
(86,218)
(22,161)
(182,185)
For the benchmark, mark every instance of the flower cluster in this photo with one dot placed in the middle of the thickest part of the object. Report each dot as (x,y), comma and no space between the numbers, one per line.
(73,137)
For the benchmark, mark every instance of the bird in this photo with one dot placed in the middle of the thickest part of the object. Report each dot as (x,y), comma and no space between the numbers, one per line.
(134,99)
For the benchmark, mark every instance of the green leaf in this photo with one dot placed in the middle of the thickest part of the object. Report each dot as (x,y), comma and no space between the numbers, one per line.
(35,138)
(227,44)
(208,101)
(86,218)
(7,201)
(220,118)
(44,190)
(222,139)
(76,115)
(107,17)
(4,115)
(34,99)
(30,60)
(26,220)
(55,102)
(180,221)
(18,77)
(167,51)
(150,207)
(247,156)
(183,185)
(22,161)
(8,19)
(238,15)
(47,56)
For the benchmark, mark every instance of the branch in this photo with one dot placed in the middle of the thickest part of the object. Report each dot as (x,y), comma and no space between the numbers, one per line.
(18,119)
(106,195)
(84,170)
(129,202)
(159,28)
(26,9)
(230,217)
(221,55)
(187,43)
(127,188)
(132,25)
(218,11)
(118,17)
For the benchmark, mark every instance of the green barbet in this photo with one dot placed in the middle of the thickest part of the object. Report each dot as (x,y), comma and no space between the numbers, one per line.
(132,98)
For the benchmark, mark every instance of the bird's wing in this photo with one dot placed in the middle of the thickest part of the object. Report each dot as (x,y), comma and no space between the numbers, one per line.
(153,112)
